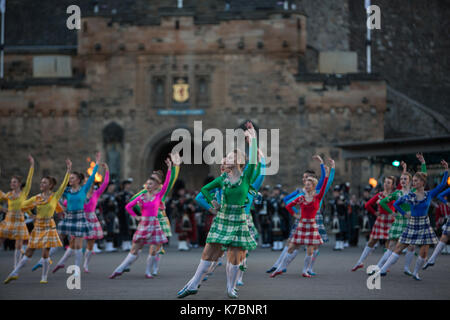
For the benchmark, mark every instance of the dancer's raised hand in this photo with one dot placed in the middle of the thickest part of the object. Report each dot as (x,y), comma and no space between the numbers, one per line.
(404,166)
(30,158)
(105,166)
(444,164)
(168,163)
(69,165)
(318,158)
(176,159)
(332,163)
(420,157)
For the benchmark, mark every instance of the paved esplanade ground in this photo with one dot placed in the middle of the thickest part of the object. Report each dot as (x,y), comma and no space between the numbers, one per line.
(334,280)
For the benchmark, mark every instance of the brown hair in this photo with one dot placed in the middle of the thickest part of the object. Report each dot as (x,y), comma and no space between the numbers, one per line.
(422,176)
(18,178)
(159,174)
(394,180)
(79,175)
(52,181)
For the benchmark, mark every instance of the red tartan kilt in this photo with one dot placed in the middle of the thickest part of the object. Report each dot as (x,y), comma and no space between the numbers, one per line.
(307,233)
(380,229)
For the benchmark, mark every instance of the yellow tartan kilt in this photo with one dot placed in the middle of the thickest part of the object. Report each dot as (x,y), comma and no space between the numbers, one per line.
(14,226)
(44,234)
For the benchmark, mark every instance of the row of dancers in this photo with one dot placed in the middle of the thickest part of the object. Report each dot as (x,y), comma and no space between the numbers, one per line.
(229,197)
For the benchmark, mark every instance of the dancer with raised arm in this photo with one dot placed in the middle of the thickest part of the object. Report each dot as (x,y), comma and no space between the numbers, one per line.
(291,197)
(307,232)
(75,224)
(418,231)
(230,226)
(91,217)
(13,226)
(148,231)
(383,222)
(44,235)
(400,222)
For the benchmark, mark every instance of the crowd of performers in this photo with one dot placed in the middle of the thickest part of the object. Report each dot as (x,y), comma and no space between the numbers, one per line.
(232,200)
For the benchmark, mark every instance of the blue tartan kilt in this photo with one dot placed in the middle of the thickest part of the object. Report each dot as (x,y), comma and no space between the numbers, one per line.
(446,228)
(75,224)
(418,232)
(321,227)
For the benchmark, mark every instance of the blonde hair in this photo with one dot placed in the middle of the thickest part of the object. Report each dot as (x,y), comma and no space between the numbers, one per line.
(408,175)
(313,180)
(240,158)
(422,176)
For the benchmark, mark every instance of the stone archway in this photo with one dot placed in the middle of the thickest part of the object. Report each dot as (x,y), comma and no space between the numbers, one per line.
(191,175)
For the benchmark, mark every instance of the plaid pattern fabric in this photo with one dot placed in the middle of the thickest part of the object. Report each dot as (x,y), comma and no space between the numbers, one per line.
(75,224)
(446,227)
(251,227)
(230,228)
(307,233)
(149,231)
(14,227)
(397,228)
(97,230)
(321,227)
(380,229)
(418,232)
(44,234)
(164,223)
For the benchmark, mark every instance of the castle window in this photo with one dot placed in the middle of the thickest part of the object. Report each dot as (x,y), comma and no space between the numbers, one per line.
(159,91)
(52,67)
(202,91)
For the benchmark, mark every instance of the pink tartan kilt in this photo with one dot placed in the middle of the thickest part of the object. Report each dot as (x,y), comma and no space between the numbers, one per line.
(307,233)
(380,229)
(149,231)
(97,230)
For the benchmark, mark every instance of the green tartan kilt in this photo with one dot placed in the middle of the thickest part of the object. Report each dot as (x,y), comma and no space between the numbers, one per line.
(230,228)
(164,223)
(397,228)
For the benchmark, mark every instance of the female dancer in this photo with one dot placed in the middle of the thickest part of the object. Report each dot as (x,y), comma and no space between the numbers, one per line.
(148,231)
(44,235)
(383,222)
(230,227)
(257,181)
(418,231)
(75,223)
(162,216)
(319,222)
(400,222)
(289,198)
(306,232)
(91,217)
(445,234)
(13,226)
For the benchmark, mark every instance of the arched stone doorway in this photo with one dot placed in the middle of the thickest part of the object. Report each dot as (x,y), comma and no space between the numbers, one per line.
(192,175)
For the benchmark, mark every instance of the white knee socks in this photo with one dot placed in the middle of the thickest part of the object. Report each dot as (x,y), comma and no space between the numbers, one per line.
(436,251)
(281,257)
(126,262)
(408,259)
(308,260)
(156,264)
(367,250)
(52,251)
(150,261)
(78,257)
(314,258)
(202,268)
(287,260)
(419,264)
(66,256)
(17,257)
(390,261)
(232,273)
(45,268)
(384,258)
(19,266)
(87,257)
